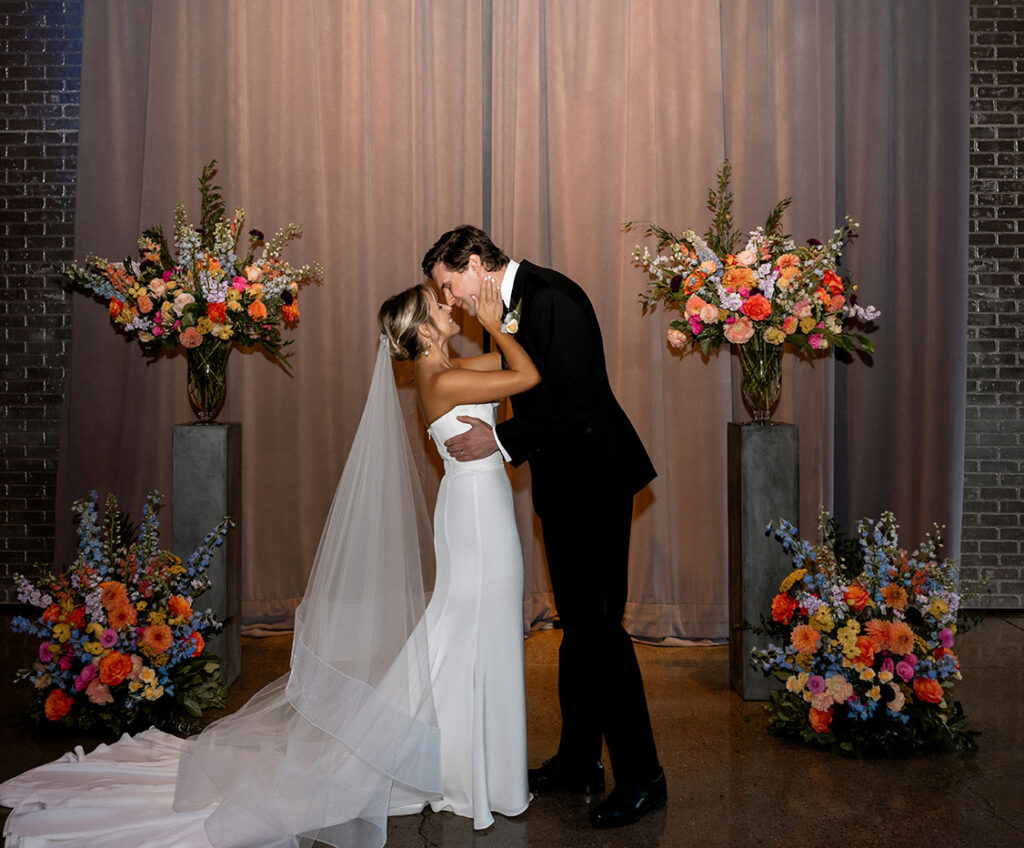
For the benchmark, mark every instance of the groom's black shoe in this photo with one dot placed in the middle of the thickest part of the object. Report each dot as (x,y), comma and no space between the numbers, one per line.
(629,802)
(557,776)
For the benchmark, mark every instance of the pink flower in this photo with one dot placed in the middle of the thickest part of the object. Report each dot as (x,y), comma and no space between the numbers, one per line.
(65,662)
(239,283)
(802,308)
(108,638)
(158,330)
(888,665)
(191,337)
(816,684)
(739,331)
(910,659)
(166,276)
(817,341)
(946,637)
(789,324)
(99,693)
(694,305)
(905,670)
(708,314)
(676,338)
(695,325)
(87,674)
(44,652)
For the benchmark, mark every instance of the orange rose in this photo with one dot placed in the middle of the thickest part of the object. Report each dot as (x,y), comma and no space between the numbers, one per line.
(693,282)
(157,638)
(805,639)
(788,261)
(121,616)
(856,597)
(758,307)
(145,304)
(217,312)
(783,607)
(179,606)
(866,647)
(115,308)
(58,704)
(51,614)
(820,720)
(257,310)
(291,313)
(927,690)
(833,282)
(197,639)
(114,668)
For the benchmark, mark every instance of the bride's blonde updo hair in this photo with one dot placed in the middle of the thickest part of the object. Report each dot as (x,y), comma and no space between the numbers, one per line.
(399,320)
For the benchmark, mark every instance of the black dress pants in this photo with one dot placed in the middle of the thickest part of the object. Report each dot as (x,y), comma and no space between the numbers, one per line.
(600,690)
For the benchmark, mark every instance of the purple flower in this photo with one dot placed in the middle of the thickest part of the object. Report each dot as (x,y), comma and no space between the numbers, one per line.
(816,684)
(257,235)
(287,298)
(108,638)
(676,283)
(813,242)
(946,637)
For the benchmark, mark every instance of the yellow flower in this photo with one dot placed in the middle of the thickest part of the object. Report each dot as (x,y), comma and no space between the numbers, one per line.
(157,617)
(235,305)
(204,325)
(134,686)
(822,620)
(874,693)
(94,648)
(884,676)
(797,682)
(147,675)
(775,336)
(222,331)
(159,659)
(938,608)
(804,661)
(93,629)
(867,674)
(153,692)
(792,578)
(178,569)
(807,324)
(141,605)
(62,632)
(232,296)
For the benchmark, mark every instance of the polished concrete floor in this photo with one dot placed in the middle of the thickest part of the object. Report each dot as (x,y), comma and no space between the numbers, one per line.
(730,783)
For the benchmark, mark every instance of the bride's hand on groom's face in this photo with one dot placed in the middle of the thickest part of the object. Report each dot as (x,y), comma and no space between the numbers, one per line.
(476,443)
(489,307)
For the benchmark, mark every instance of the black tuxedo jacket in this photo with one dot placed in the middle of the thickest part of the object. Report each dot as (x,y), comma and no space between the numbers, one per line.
(569,427)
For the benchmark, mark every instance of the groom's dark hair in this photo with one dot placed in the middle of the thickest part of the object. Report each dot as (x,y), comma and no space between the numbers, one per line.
(456,246)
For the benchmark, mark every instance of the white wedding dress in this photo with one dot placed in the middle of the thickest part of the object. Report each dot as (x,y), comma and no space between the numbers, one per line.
(329,750)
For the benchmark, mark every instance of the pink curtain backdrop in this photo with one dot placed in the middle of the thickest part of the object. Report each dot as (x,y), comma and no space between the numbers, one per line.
(378,126)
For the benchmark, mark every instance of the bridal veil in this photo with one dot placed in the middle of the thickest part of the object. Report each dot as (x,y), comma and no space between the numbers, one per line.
(324,751)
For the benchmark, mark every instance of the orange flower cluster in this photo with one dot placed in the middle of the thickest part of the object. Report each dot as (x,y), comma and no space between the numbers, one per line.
(120,612)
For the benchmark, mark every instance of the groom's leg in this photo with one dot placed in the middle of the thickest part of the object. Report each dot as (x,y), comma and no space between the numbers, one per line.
(600,685)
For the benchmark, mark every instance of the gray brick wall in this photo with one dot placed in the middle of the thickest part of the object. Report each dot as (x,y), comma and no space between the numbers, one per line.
(993,528)
(40,57)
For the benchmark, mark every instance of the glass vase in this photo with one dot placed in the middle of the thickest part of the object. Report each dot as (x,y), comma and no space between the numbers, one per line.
(207,378)
(761,381)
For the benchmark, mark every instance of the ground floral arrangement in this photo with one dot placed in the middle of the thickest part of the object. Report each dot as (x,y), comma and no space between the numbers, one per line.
(866,633)
(121,646)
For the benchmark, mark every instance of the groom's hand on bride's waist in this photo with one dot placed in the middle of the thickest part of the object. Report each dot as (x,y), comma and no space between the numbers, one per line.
(475,443)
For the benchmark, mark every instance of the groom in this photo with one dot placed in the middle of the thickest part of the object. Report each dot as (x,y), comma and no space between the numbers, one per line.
(586,463)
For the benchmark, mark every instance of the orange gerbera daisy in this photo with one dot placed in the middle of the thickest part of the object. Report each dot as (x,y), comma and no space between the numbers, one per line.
(157,638)
(179,606)
(121,616)
(805,639)
(895,596)
(113,594)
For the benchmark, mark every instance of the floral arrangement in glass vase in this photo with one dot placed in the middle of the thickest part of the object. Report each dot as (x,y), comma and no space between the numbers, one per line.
(865,634)
(757,298)
(120,643)
(204,296)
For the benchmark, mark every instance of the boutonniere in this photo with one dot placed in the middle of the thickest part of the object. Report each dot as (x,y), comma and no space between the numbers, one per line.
(510,323)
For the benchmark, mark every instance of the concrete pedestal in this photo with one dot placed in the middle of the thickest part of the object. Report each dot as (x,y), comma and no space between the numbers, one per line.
(763,485)
(207,485)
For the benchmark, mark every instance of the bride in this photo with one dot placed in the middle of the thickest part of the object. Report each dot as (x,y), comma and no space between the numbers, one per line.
(387,706)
